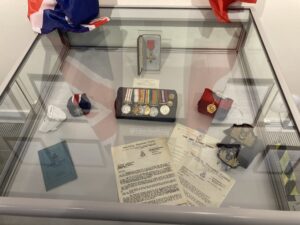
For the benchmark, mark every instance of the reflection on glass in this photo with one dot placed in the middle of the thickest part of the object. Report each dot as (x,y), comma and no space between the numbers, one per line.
(42,63)
(14,112)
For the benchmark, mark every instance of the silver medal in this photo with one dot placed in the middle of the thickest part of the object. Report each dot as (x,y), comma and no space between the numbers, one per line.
(126,109)
(164,110)
(153,112)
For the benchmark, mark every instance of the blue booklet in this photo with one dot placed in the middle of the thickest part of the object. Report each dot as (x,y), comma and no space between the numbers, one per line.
(57,165)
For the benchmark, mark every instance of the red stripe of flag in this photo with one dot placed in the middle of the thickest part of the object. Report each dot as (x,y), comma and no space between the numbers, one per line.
(34,6)
(220,8)
(100,21)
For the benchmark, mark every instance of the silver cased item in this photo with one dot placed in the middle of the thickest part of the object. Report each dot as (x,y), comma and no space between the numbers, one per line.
(148,58)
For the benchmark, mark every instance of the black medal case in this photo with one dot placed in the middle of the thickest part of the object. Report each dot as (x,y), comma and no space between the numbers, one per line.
(146,104)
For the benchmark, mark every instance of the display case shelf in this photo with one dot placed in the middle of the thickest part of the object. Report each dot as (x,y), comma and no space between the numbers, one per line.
(197,52)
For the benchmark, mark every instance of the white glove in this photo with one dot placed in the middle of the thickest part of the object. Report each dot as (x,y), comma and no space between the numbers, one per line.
(55,116)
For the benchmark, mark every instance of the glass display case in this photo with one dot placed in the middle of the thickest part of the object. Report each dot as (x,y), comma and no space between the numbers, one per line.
(195,53)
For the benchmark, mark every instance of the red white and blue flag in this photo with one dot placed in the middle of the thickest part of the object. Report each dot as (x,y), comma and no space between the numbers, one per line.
(65,15)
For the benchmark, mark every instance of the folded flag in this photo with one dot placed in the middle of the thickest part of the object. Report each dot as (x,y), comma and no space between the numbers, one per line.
(65,15)
(220,8)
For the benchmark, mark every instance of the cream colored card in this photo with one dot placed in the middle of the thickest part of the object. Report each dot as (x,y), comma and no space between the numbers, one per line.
(183,140)
(145,83)
(145,174)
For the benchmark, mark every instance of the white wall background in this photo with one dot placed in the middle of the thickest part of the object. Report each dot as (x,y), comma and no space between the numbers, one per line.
(281,23)
(15,35)
(280,19)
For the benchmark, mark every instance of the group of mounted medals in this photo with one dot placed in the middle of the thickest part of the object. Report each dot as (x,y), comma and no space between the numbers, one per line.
(147,102)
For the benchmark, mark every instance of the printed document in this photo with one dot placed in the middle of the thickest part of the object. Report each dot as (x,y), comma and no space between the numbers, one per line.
(203,184)
(183,140)
(194,156)
(145,174)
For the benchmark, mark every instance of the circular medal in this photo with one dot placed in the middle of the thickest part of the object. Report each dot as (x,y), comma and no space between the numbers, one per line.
(170,103)
(153,112)
(141,110)
(126,109)
(211,108)
(171,96)
(165,110)
(135,110)
(147,110)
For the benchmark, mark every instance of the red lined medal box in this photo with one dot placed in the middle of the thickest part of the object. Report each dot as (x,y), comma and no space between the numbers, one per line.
(213,105)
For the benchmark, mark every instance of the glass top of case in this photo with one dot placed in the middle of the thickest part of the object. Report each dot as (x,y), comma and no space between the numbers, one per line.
(179,66)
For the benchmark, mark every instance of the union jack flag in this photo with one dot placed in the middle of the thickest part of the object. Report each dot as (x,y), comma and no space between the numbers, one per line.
(65,15)
(220,8)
